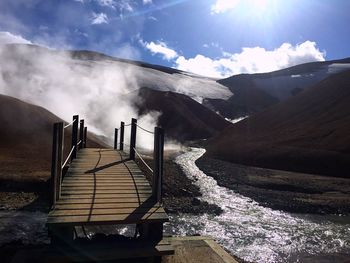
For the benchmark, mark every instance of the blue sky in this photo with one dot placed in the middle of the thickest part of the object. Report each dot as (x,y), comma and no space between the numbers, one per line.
(210,37)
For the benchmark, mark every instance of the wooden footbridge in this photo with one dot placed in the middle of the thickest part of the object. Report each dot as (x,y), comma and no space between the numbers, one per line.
(95,186)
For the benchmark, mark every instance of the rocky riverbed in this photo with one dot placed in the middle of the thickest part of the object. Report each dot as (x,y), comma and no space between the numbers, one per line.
(282,190)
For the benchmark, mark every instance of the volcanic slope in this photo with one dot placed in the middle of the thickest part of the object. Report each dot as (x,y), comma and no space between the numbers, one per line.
(182,117)
(26,140)
(256,92)
(307,133)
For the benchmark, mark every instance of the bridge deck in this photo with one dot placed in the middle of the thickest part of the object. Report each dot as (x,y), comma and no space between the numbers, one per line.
(103,187)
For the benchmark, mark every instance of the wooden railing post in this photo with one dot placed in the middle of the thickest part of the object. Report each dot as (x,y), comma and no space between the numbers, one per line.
(56,163)
(121,140)
(85,136)
(81,134)
(133,138)
(75,136)
(60,157)
(115,139)
(158,164)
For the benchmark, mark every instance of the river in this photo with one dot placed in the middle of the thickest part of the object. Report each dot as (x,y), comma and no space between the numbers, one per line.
(256,233)
(248,230)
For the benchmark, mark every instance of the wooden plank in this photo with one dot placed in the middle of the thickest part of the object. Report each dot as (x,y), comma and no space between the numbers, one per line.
(119,174)
(105,211)
(102,188)
(133,199)
(98,192)
(107,181)
(95,169)
(102,196)
(104,178)
(102,175)
(109,219)
(106,190)
(68,206)
(88,172)
(116,180)
(98,182)
(106,185)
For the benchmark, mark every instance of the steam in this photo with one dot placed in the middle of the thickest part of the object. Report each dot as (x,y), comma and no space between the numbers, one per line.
(102,92)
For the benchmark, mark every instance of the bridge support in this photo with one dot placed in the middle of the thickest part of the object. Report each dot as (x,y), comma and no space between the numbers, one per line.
(85,136)
(81,134)
(56,165)
(115,139)
(158,154)
(133,138)
(121,141)
(74,136)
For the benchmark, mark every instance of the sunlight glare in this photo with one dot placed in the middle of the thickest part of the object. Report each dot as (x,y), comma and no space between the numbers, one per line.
(254,7)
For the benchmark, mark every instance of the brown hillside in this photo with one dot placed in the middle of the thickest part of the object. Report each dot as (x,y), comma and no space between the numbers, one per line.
(26,140)
(182,117)
(247,98)
(308,133)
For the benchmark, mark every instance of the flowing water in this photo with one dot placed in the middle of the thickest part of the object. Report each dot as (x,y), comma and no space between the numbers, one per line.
(248,230)
(257,233)
(29,227)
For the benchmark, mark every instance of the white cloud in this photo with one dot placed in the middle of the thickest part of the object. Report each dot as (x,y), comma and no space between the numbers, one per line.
(160,48)
(99,19)
(222,6)
(145,2)
(9,38)
(109,3)
(152,18)
(117,4)
(252,60)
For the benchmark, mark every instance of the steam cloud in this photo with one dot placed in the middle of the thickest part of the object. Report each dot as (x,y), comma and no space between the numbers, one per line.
(101,92)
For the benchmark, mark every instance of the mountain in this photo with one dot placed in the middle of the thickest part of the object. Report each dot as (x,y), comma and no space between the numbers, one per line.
(309,132)
(93,84)
(31,60)
(256,92)
(285,83)
(182,117)
(26,140)
(247,100)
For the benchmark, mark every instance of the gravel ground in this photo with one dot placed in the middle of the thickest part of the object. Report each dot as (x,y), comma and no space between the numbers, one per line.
(282,190)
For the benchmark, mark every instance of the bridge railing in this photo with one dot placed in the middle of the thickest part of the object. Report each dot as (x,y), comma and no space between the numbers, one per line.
(158,152)
(58,163)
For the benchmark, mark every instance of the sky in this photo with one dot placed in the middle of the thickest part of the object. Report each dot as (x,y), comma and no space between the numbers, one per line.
(215,38)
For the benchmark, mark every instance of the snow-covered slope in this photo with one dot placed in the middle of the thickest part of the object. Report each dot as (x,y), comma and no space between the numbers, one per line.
(285,83)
